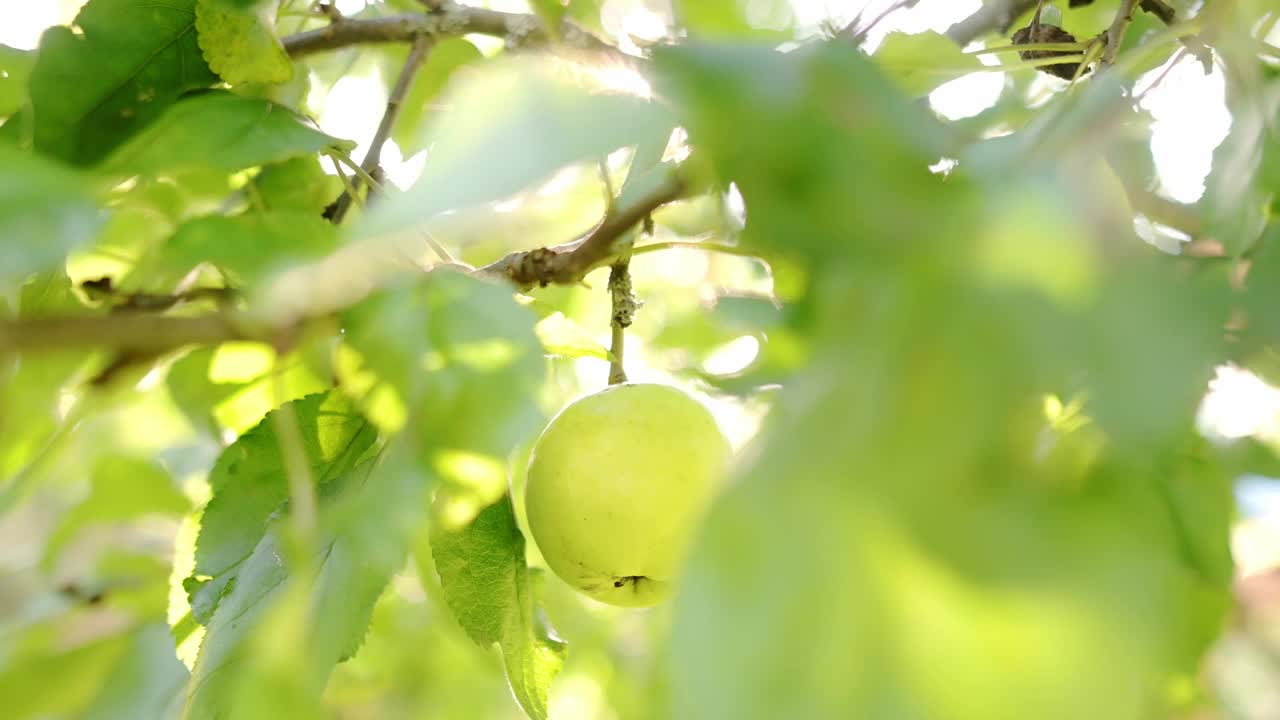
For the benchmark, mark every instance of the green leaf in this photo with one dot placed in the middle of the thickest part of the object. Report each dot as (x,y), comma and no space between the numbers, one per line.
(920,63)
(129,61)
(46,210)
(240,43)
(15,68)
(298,184)
(276,634)
(44,678)
(249,485)
(248,247)
(29,388)
(121,488)
(222,131)
(219,401)
(916,586)
(734,19)
(817,139)
(480,155)
(488,586)
(446,59)
(1234,202)
(147,683)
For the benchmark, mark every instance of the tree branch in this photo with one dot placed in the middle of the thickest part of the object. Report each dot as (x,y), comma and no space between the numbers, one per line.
(148,334)
(518,29)
(1115,34)
(995,16)
(133,333)
(569,262)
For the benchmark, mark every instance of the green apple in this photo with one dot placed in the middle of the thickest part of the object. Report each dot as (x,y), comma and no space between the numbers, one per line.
(618,482)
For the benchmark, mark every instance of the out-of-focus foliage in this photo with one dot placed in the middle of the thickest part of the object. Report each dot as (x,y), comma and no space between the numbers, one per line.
(973,475)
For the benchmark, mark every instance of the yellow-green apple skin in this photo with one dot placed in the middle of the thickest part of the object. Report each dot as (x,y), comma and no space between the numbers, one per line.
(618,483)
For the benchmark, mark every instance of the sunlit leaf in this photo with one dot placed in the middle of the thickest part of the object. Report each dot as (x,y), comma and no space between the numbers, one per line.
(460,355)
(297,184)
(249,486)
(488,586)
(920,63)
(240,44)
(223,131)
(247,247)
(46,210)
(292,628)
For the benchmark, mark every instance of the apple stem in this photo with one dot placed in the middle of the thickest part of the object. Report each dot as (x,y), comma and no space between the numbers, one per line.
(624,308)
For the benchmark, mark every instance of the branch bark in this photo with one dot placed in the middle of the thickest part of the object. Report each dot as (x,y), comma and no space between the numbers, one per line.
(996,16)
(518,29)
(149,334)
(1115,34)
(568,263)
(132,333)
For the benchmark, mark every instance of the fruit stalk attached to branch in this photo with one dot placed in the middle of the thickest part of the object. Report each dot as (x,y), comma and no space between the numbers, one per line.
(624,305)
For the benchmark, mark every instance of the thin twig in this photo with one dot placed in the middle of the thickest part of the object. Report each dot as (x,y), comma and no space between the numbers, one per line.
(1115,34)
(861,34)
(1030,47)
(395,100)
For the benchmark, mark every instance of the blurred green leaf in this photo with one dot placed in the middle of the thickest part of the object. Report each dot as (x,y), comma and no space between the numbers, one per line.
(510,126)
(240,43)
(249,484)
(218,404)
(129,60)
(561,336)
(1234,203)
(223,131)
(147,683)
(15,68)
(488,586)
(831,158)
(40,678)
(920,63)
(46,210)
(460,356)
(734,18)
(297,184)
(120,488)
(247,247)
(939,586)
(30,386)
(446,59)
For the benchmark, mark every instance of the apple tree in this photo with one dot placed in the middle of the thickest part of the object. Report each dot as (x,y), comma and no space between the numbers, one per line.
(886,410)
